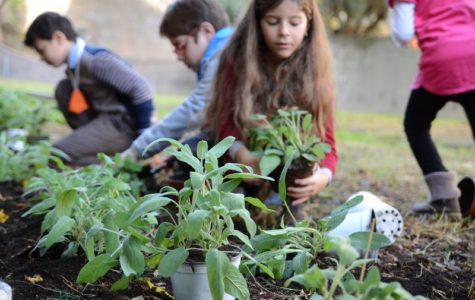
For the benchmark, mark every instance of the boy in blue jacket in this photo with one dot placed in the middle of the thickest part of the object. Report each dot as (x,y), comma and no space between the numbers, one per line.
(198,31)
(105,102)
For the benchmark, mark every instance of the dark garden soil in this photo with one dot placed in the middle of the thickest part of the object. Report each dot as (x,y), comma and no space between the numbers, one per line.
(433,258)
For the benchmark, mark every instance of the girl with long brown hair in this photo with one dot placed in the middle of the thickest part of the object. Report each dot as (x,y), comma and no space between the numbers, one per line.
(278,57)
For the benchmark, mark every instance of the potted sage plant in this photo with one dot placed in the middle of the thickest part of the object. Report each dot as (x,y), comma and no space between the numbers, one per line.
(197,242)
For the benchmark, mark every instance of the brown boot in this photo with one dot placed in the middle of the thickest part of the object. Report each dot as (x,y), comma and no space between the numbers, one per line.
(443,198)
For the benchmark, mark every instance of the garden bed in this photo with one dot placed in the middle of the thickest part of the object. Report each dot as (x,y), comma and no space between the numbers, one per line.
(432,258)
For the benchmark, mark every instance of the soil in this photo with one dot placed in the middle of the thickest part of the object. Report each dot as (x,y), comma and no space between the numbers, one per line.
(434,258)
(300,168)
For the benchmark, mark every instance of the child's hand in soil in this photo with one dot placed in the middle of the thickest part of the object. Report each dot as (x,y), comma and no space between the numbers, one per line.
(306,188)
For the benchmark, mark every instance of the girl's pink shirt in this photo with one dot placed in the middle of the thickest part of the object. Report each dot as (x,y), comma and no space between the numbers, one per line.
(445,31)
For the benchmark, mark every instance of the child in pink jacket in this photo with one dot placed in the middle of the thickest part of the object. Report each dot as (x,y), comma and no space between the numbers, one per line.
(445,33)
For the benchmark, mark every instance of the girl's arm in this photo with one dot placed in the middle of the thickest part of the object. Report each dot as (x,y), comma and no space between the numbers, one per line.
(402,22)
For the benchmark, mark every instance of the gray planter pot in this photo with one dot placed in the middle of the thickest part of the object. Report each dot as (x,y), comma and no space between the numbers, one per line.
(190,282)
(5,291)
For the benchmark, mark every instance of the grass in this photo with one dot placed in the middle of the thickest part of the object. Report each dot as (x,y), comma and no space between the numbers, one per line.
(164,103)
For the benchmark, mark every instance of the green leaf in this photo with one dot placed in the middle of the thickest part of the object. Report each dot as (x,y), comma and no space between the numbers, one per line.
(197,180)
(307,123)
(71,250)
(163,229)
(201,149)
(216,266)
(318,152)
(220,148)
(250,224)
(242,237)
(49,220)
(360,240)
(282,186)
(314,278)
(269,163)
(111,238)
(161,140)
(233,201)
(137,235)
(90,254)
(195,223)
(247,176)
(154,260)
(347,254)
(132,260)
(211,163)
(41,207)
(57,232)
(234,283)
(64,204)
(373,277)
(338,215)
(119,185)
(171,261)
(96,268)
(310,157)
(229,185)
(264,242)
(300,263)
(284,231)
(149,203)
(121,284)
(258,203)
(354,201)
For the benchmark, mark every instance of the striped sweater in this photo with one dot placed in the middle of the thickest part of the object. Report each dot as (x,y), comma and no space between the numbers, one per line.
(110,85)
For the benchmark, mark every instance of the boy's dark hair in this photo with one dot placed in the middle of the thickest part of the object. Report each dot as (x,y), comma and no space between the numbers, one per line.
(183,16)
(45,25)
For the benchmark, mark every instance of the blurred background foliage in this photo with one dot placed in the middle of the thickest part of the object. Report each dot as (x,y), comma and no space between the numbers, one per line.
(346,17)
(12,21)
(343,17)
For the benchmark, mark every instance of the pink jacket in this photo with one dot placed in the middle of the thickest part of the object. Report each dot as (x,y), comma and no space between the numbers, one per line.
(445,30)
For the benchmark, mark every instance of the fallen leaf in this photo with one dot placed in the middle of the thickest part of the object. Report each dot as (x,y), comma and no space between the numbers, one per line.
(3,216)
(156,288)
(34,279)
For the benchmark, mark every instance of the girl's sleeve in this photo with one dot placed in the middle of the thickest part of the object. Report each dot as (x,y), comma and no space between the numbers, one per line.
(402,21)
(331,159)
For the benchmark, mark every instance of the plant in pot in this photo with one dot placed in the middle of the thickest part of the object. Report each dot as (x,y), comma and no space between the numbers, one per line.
(197,239)
(287,145)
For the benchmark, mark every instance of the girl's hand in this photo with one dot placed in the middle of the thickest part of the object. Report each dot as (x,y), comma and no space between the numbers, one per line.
(306,188)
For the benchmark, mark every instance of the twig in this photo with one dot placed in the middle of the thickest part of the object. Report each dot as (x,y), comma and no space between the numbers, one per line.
(69,284)
(428,245)
(368,247)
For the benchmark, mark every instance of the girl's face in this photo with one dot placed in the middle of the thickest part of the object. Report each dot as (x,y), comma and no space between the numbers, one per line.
(284,28)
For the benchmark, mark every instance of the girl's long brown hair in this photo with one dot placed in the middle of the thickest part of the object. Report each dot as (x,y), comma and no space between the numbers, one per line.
(245,84)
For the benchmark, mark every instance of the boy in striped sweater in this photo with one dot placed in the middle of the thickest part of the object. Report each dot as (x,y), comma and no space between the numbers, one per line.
(105,102)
